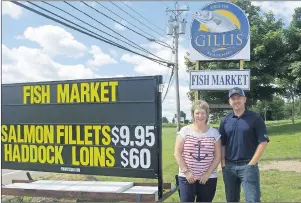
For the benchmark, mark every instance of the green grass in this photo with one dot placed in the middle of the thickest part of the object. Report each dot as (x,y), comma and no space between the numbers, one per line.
(285,141)
(281,122)
(277,186)
(285,188)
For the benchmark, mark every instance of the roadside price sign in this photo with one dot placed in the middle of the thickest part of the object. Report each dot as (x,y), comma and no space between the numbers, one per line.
(109,126)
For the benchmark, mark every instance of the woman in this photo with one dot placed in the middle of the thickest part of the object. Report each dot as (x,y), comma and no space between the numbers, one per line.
(198,153)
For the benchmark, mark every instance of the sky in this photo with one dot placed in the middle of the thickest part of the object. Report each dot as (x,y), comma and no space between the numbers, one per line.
(38,49)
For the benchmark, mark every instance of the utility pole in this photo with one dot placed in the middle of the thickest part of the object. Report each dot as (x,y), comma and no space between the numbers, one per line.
(175,27)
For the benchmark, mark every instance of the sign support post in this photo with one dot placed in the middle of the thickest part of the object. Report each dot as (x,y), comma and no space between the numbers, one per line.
(196,93)
(159,132)
(225,39)
(241,64)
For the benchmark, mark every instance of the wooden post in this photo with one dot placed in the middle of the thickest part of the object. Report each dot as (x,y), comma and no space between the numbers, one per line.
(196,93)
(241,64)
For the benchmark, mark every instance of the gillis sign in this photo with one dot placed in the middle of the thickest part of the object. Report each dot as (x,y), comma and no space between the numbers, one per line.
(220,31)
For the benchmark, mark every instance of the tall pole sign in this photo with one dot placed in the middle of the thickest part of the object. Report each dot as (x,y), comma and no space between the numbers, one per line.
(220,31)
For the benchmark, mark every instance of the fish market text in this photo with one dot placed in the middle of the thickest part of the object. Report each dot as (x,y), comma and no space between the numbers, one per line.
(219,79)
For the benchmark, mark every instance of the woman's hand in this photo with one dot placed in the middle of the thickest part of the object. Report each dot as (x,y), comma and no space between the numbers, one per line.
(189,177)
(204,178)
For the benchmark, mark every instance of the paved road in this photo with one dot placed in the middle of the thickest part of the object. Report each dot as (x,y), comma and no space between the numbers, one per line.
(9,175)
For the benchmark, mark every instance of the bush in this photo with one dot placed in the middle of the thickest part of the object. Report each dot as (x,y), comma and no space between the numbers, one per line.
(171,125)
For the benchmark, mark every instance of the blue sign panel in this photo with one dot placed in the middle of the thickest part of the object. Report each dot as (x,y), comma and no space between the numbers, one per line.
(219,30)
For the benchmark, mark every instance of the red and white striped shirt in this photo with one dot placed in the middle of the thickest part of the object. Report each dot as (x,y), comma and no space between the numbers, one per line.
(198,151)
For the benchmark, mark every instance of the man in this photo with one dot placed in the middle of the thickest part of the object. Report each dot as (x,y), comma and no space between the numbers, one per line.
(244,139)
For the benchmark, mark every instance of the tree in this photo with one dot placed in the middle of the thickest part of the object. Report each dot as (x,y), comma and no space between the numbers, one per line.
(296,22)
(264,109)
(182,115)
(298,107)
(289,90)
(271,110)
(290,80)
(277,108)
(164,120)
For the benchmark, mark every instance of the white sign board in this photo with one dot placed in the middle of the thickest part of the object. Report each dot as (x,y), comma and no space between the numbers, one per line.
(219,31)
(244,54)
(219,79)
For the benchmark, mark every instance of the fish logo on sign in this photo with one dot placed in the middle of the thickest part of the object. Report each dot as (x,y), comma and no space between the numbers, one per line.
(219,30)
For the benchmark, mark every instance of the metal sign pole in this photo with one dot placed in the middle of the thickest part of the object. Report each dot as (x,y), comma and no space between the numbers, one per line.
(159,132)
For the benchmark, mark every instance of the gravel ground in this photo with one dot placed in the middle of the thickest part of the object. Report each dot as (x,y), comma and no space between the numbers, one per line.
(291,165)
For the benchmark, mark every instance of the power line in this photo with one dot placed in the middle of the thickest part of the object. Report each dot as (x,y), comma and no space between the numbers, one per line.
(167,77)
(137,20)
(170,78)
(169,84)
(142,16)
(167,89)
(104,39)
(117,22)
(164,3)
(110,28)
(124,19)
(71,22)
(137,46)
(170,60)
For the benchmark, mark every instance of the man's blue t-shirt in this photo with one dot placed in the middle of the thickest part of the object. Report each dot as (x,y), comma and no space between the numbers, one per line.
(241,135)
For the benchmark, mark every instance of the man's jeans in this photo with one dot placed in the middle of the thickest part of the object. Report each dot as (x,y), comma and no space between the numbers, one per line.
(237,173)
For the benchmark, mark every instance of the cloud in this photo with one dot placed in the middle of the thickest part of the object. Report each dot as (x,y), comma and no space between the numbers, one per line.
(19,37)
(115,76)
(120,27)
(11,9)
(144,66)
(25,64)
(113,53)
(128,2)
(132,59)
(282,9)
(93,4)
(169,108)
(99,58)
(55,40)
(148,67)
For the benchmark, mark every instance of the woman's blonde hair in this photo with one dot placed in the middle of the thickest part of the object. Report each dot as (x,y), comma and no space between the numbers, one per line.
(200,104)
